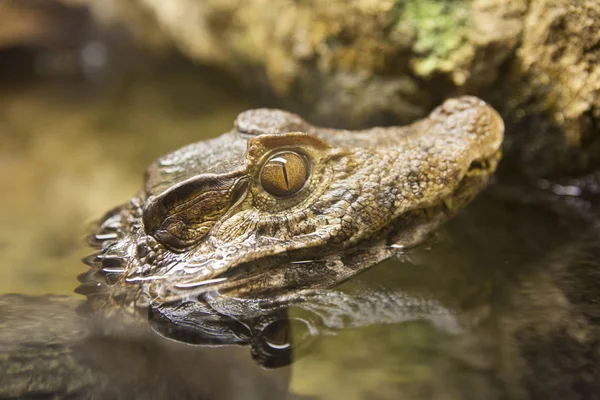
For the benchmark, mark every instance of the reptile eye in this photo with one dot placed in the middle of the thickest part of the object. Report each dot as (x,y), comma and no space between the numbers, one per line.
(284,174)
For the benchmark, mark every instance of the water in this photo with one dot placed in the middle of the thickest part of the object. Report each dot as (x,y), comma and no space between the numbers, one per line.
(501,303)
(521,281)
(72,149)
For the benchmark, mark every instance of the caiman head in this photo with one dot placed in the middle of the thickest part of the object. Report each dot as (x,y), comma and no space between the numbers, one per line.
(277,204)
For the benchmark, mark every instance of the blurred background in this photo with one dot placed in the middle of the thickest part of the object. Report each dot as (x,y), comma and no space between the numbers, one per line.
(83,111)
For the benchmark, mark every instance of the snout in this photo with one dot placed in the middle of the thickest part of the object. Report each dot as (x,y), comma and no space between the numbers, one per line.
(479,121)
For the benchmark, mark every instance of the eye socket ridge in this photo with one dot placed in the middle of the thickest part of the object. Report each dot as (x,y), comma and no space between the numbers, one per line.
(285,173)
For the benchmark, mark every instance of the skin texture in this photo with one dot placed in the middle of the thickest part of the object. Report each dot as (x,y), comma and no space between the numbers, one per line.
(205,224)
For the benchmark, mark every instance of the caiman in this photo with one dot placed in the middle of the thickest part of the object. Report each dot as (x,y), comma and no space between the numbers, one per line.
(277,205)
(275,211)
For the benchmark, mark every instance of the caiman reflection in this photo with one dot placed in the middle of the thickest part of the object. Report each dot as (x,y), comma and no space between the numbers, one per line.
(282,331)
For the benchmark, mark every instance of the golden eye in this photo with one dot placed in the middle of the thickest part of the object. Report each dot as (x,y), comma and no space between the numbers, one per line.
(284,174)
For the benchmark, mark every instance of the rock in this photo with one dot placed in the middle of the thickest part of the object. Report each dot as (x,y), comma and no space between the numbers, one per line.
(368,62)
(555,76)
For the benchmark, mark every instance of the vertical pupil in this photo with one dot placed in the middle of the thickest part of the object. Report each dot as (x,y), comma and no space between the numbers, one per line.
(284,174)
(282,161)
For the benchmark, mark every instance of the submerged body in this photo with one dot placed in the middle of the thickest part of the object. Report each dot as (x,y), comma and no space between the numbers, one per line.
(277,205)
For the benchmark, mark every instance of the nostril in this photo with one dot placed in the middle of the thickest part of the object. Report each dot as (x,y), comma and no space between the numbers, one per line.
(479,165)
(485,165)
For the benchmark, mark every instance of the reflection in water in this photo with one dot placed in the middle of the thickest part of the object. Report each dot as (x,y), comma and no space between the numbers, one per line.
(523,282)
(280,331)
(49,351)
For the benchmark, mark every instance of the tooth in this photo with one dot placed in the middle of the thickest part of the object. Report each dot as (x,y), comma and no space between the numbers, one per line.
(93,260)
(448,203)
(88,288)
(429,213)
(106,236)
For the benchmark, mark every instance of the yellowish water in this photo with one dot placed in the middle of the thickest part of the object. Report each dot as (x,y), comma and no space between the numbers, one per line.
(71,151)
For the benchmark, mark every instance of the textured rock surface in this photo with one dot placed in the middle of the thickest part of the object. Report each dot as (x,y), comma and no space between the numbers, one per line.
(366,61)
(347,59)
(556,79)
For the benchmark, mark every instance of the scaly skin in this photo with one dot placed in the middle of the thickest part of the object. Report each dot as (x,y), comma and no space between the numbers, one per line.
(204,223)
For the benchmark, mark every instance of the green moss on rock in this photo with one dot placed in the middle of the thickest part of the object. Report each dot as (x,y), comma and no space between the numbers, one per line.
(441,28)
